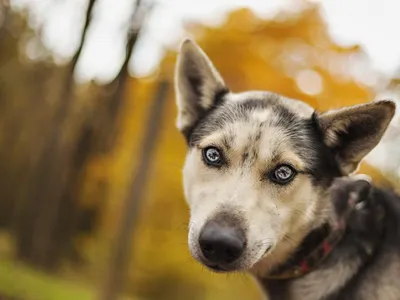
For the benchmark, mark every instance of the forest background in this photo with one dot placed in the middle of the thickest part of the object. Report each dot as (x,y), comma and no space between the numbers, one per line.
(91,203)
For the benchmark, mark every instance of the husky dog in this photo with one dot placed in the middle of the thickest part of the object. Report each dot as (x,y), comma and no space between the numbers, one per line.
(261,179)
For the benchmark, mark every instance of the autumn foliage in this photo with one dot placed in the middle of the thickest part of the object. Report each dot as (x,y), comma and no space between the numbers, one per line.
(292,54)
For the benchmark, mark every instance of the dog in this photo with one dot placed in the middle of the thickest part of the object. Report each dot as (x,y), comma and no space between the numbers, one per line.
(267,182)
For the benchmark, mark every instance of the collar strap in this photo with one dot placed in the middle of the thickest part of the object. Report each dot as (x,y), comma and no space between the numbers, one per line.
(314,248)
(315,257)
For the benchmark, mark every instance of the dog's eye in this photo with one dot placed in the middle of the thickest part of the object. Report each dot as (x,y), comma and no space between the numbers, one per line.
(283,174)
(212,156)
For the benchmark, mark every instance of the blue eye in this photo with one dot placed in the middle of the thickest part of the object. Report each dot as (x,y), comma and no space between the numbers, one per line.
(283,174)
(212,156)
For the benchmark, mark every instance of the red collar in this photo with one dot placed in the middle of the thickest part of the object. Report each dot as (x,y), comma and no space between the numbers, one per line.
(301,264)
(317,246)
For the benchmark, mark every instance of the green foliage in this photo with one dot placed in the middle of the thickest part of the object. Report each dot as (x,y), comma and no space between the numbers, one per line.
(21,282)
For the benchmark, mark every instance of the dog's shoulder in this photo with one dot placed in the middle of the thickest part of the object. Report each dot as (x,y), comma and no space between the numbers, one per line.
(391,203)
(381,281)
(378,279)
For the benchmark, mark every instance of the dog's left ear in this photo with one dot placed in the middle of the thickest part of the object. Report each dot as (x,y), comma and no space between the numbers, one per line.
(198,85)
(352,132)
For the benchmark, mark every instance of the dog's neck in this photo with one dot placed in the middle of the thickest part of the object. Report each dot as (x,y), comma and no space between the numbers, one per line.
(315,247)
(359,242)
(311,245)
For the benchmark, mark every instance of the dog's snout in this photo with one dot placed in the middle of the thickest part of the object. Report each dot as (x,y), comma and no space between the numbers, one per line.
(221,243)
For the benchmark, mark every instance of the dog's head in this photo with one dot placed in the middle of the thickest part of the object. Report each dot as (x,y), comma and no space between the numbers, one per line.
(259,165)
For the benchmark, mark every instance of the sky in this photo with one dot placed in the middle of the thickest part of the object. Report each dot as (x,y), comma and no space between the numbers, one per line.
(372,23)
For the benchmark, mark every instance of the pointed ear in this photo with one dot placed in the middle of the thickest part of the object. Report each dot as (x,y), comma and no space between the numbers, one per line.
(352,132)
(198,85)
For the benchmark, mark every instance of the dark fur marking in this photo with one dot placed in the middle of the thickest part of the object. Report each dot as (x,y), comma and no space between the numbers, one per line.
(258,136)
(196,82)
(245,156)
(254,155)
(257,104)
(216,118)
(286,118)
(326,167)
(226,142)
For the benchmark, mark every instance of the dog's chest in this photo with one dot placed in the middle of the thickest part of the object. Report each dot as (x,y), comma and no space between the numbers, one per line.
(330,284)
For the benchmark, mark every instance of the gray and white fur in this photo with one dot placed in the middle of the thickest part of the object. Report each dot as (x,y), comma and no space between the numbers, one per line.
(258,179)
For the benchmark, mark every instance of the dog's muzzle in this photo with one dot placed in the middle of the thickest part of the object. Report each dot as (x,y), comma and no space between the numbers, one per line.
(221,244)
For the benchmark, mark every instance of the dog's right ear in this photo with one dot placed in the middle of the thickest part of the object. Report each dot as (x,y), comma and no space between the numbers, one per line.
(198,85)
(352,132)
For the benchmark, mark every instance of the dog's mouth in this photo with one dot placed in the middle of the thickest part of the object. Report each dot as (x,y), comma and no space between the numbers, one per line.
(269,248)
(217,268)
(220,268)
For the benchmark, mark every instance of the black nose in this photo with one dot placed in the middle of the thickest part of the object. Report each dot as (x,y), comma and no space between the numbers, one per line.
(221,243)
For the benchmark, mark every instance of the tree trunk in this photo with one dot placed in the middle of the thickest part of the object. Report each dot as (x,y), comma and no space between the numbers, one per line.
(54,166)
(68,211)
(120,256)
(116,100)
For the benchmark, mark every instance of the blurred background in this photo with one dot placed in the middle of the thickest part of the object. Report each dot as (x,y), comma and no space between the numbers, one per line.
(91,203)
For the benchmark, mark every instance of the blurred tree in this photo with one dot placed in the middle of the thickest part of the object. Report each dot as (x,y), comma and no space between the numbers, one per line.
(58,157)
(132,208)
(22,85)
(4,15)
(101,137)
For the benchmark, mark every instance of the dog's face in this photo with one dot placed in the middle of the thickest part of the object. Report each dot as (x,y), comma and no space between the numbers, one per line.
(259,166)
